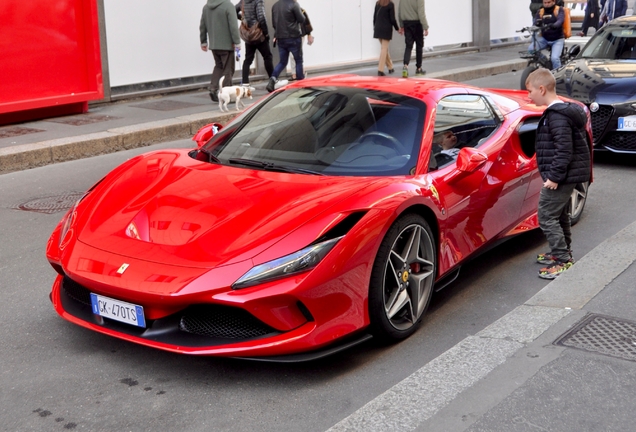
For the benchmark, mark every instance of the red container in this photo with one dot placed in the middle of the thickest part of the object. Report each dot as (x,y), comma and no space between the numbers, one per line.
(49,58)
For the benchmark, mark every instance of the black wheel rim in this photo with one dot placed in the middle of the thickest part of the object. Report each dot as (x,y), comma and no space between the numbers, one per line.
(409,274)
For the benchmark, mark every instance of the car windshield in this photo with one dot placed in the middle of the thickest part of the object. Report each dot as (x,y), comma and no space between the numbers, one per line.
(612,43)
(326,130)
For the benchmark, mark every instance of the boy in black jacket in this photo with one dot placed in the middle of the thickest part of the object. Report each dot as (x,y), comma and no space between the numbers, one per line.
(563,158)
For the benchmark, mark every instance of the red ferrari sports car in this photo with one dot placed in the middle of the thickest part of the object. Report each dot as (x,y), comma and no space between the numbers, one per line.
(324,214)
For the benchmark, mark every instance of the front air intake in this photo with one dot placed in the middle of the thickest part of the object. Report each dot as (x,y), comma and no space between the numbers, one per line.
(223,322)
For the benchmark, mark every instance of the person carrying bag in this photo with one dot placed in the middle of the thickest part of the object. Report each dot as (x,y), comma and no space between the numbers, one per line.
(256,37)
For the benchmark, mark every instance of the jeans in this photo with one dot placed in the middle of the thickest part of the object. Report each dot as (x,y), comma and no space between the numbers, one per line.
(285,47)
(556,49)
(554,219)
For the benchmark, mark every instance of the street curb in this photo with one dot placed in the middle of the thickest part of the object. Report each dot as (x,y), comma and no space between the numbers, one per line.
(470,73)
(25,156)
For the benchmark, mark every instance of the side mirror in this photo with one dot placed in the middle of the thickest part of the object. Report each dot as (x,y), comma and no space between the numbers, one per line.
(204,134)
(470,160)
(574,51)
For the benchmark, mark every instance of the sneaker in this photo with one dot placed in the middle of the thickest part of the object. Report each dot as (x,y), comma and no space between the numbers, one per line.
(420,72)
(271,84)
(245,85)
(405,72)
(214,96)
(548,259)
(280,83)
(553,271)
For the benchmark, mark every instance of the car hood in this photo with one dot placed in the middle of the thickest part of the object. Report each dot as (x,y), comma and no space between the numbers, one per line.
(167,207)
(602,81)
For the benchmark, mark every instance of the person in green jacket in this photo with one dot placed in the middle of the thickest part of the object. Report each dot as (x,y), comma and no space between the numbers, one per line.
(413,25)
(219,33)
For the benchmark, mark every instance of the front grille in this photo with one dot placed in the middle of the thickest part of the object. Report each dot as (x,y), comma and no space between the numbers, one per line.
(198,325)
(600,119)
(621,141)
(76,291)
(222,322)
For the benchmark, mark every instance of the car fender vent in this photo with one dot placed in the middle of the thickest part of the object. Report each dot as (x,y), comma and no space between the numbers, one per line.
(223,322)
(342,227)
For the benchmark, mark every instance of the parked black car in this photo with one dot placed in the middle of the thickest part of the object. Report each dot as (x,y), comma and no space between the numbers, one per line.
(603,76)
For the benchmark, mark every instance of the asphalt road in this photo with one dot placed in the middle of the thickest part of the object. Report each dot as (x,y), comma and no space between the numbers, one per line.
(57,376)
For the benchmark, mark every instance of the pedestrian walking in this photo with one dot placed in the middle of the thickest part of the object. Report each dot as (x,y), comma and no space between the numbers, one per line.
(591,18)
(552,17)
(219,33)
(414,26)
(287,17)
(305,30)
(613,9)
(383,24)
(252,12)
(563,158)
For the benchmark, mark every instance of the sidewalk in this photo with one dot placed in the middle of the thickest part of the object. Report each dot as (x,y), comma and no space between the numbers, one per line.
(129,124)
(564,361)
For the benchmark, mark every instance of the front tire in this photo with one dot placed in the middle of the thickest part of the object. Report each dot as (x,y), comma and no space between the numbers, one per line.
(402,279)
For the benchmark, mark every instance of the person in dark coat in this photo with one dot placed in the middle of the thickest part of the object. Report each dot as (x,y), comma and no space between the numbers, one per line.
(592,12)
(563,159)
(383,24)
(219,33)
(613,9)
(254,11)
(535,5)
(287,17)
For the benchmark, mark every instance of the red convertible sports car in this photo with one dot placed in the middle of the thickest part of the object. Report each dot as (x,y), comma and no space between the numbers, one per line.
(326,213)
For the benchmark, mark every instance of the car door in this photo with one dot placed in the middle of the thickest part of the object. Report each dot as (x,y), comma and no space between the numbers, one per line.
(485,201)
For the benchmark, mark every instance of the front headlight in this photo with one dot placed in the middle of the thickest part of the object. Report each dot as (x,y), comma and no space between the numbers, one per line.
(69,220)
(66,232)
(297,262)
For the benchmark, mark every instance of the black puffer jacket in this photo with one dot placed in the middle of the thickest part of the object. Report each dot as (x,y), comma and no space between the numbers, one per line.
(563,153)
(286,19)
(254,12)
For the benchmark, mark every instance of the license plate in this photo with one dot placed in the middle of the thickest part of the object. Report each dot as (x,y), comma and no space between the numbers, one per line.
(118,310)
(627,123)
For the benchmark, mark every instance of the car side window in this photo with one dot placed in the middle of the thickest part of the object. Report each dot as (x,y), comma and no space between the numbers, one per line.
(464,120)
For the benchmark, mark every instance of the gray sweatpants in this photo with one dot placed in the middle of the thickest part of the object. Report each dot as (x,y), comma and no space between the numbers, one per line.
(554,219)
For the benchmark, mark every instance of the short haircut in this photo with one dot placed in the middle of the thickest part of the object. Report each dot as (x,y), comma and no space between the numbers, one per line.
(542,77)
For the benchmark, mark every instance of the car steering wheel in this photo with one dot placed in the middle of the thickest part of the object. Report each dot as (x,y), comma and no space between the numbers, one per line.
(386,138)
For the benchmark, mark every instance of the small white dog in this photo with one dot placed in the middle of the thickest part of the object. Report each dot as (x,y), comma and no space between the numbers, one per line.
(233,93)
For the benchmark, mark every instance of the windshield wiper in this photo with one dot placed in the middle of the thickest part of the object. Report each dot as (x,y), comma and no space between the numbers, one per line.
(272,167)
(211,157)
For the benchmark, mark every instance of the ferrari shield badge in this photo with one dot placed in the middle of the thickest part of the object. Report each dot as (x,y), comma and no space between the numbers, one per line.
(123,268)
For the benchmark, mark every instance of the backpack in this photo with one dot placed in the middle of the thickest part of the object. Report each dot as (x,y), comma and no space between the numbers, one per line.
(567,21)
